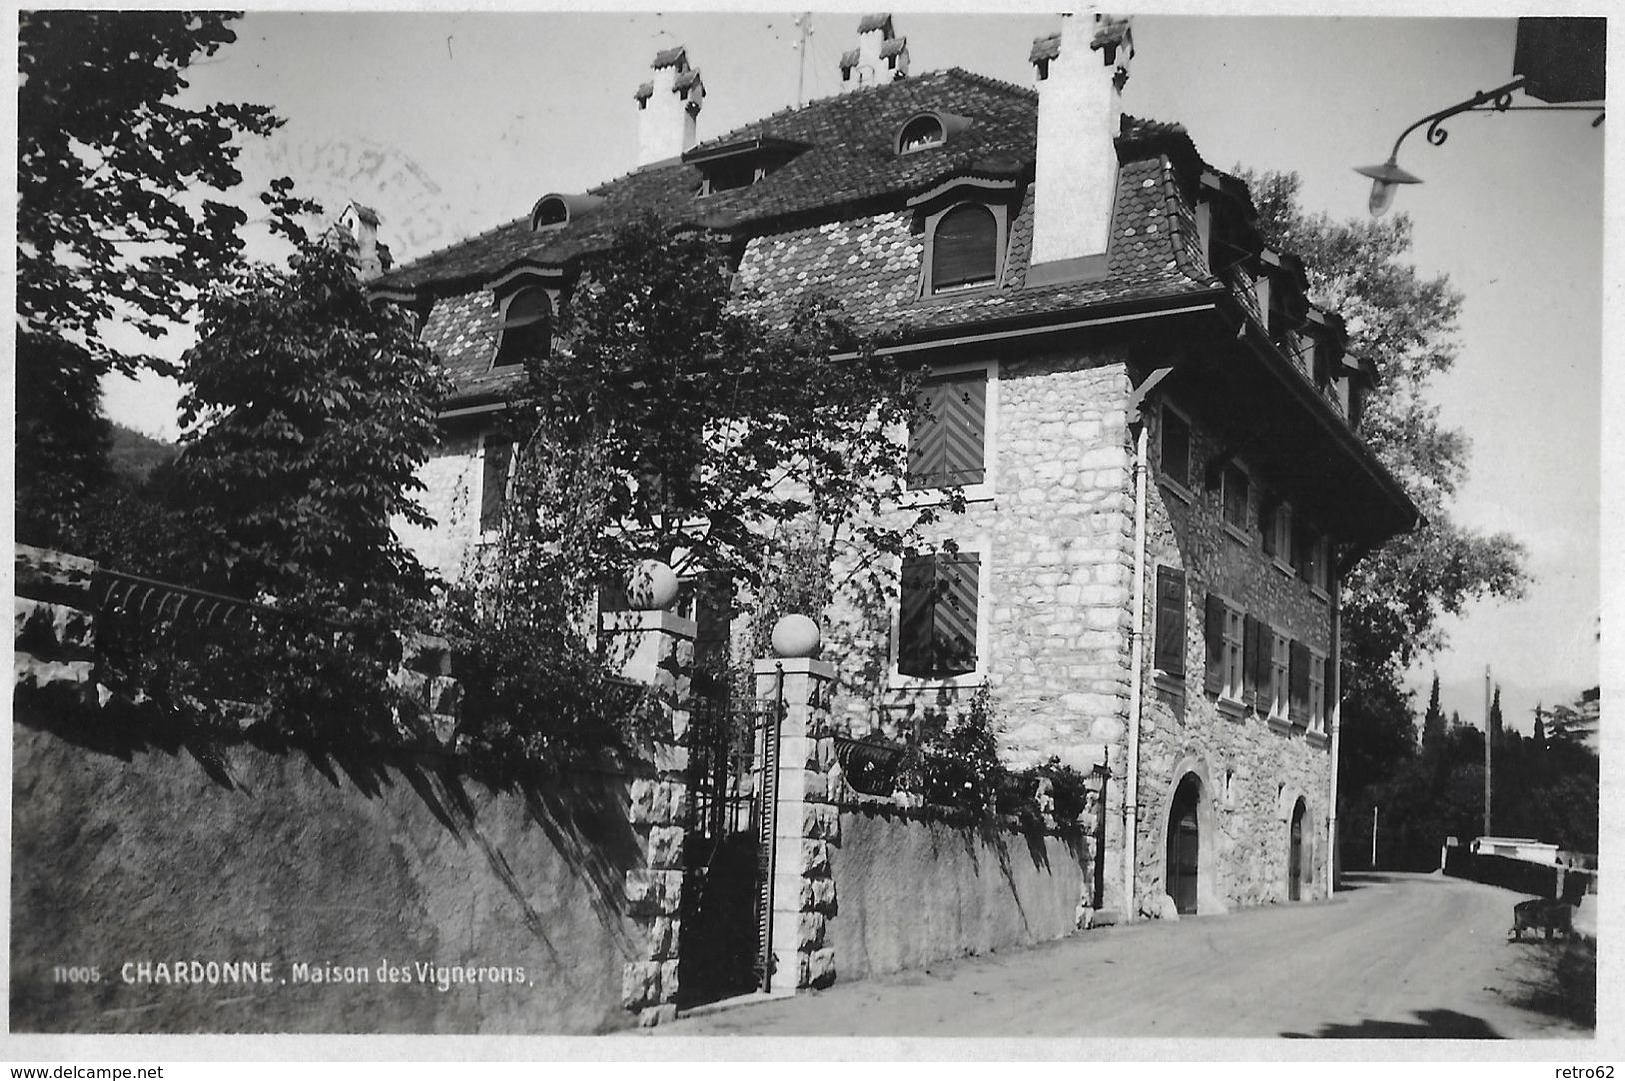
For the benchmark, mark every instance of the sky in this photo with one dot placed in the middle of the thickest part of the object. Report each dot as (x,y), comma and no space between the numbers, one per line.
(451,123)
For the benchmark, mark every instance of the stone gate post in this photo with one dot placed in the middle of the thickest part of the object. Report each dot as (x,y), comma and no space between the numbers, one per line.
(656,648)
(807,824)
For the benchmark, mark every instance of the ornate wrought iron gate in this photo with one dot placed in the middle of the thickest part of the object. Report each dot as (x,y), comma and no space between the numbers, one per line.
(727,892)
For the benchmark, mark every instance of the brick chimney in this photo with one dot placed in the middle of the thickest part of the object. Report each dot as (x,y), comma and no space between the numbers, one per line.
(880,58)
(667,107)
(1081,71)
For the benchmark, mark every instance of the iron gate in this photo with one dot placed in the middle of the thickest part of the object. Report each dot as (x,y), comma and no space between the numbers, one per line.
(727,945)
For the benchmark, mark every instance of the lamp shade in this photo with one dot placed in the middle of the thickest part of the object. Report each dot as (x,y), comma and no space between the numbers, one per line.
(1385,180)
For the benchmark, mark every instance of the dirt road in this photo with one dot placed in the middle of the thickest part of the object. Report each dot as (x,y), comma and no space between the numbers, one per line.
(1396,956)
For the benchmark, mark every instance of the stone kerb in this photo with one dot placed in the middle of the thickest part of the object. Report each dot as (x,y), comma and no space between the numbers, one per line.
(657,650)
(807,828)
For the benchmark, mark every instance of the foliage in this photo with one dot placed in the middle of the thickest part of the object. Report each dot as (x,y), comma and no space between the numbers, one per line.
(1433,720)
(309,410)
(672,423)
(959,766)
(115,225)
(1395,598)
(711,425)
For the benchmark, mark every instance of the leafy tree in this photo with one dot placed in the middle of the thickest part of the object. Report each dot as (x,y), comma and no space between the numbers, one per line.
(309,410)
(1433,720)
(1497,724)
(115,224)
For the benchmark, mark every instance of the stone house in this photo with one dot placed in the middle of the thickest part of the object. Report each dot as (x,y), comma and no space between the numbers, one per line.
(1156,434)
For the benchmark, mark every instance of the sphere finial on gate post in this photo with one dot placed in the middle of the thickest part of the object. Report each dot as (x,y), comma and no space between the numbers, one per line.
(796,636)
(651,587)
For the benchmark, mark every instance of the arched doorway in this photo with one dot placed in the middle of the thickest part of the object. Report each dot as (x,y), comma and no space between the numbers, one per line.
(1184,845)
(1295,854)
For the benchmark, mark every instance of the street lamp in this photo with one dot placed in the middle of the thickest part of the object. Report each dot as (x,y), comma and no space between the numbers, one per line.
(1386,178)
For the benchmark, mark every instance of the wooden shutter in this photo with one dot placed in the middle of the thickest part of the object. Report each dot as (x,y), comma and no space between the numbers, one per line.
(964,247)
(1253,645)
(914,624)
(955,619)
(1298,683)
(494,483)
(946,449)
(1213,633)
(527,328)
(1169,651)
(1267,513)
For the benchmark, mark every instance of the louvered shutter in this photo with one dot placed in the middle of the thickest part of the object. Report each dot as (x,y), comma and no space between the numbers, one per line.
(955,617)
(1169,651)
(914,624)
(1213,633)
(494,483)
(964,247)
(1253,644)
(1298,683)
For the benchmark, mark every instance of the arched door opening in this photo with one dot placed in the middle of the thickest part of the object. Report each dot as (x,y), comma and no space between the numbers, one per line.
(1295,855)
(1184,845)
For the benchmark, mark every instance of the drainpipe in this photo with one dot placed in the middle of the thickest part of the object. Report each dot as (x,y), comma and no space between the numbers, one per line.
(1336,721)
(1131,773)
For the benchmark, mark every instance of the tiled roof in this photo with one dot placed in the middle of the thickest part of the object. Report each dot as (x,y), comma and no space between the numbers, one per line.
(1047,47)
(874,22)
(893,46)
(852,169)
(849,59)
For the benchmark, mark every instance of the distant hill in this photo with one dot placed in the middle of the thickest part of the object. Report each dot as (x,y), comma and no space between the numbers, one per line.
(137,455)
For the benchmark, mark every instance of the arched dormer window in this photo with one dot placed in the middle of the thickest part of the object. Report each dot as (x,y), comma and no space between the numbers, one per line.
(550,211)
(919,133)
(925,130)
(527,328)
(966,222)
(965,248)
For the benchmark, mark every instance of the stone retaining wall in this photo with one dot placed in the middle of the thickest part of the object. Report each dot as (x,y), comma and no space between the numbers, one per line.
(913,891)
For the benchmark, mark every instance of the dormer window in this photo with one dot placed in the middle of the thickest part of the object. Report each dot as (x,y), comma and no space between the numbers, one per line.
(966,222)
(550,211)
(919,133)
(964,248)
(527,328)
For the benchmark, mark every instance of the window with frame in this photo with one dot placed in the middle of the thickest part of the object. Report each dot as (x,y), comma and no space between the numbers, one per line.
(936,629)
(965,248)
(1168,654)
(1280,676)
(1276,526)
(1309,555)
(1175,444)
(1317,692)
(496,461)
(947,448)
(527,328)
(1234,490)
(1225,633)
(1298,703)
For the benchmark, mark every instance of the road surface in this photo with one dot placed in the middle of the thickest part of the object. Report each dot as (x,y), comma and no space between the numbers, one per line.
(1396,956)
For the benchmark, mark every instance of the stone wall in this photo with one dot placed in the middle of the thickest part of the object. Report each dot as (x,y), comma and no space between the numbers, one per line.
(451,481)
(1054,537)
(912,891)
(126,855)
(1252,770)
(367,889)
